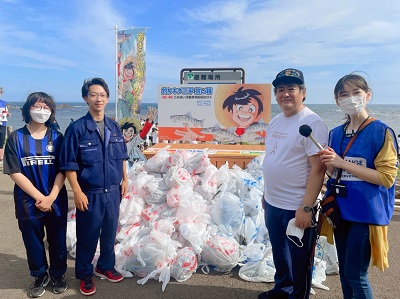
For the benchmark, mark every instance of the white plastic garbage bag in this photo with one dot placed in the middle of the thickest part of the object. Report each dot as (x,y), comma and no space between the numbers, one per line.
(209,183)
(327,252)
(178,193)
(228,213)
(221,253)
(178,176)
(254,168)
(258,265)
(71,238)
(178,159)
(184,264)
(244,181)
(130,209)
(198,162)
(71,233)
(157,162)
(318,274)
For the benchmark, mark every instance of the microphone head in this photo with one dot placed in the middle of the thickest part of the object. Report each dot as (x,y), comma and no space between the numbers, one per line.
(305,130)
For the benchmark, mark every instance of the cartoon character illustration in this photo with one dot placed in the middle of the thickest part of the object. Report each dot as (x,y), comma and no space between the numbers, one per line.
(131,69)
(126,90)
(244,108)
(134,134)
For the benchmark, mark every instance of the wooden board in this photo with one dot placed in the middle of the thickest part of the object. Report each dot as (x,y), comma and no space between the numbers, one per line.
(219,154)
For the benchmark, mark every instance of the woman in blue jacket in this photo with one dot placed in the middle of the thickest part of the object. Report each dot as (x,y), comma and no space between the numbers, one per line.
(368,173)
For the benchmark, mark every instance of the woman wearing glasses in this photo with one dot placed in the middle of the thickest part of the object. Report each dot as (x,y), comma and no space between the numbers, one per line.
(40,197)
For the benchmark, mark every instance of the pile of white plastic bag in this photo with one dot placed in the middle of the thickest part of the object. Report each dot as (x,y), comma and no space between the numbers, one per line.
(182,213)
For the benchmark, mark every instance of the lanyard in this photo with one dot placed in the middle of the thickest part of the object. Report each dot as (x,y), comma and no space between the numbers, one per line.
(366,122)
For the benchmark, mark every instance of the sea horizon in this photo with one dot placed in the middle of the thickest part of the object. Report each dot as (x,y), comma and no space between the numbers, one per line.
(330,113)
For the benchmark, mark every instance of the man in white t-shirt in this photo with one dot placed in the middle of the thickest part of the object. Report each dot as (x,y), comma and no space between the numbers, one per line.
(293,177)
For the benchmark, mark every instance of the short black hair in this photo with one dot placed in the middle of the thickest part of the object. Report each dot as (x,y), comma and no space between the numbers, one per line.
(95,81)
(243,97)
(128,125)
(129,65)
(40,97)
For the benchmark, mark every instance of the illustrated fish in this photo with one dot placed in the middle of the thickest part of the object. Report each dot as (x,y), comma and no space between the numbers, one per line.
(187,119)
(211,130)
(257,127)
(222,135)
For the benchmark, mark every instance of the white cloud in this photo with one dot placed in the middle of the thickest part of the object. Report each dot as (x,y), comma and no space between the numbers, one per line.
(326,39)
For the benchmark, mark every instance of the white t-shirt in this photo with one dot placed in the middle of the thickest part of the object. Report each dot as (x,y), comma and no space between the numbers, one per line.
(286,167)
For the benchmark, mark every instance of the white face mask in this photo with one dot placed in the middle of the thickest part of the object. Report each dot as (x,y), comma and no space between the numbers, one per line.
(293,231)
(40,116)
(352,105)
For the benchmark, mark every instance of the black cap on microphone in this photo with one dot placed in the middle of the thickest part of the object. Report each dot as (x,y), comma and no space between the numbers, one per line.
(305,130)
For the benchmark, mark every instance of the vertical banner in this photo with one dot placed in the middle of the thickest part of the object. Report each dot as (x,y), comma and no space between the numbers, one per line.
(131,69)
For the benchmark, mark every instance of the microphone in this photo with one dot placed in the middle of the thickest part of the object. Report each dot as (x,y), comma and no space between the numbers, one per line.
(305,130)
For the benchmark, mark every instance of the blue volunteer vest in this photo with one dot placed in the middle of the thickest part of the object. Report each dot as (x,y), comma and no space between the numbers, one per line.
(365,202)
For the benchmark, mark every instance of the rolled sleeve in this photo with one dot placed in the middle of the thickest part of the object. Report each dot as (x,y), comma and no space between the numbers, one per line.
(69,152)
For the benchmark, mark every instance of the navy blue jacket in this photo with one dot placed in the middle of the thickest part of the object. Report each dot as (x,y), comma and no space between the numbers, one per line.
(98,163)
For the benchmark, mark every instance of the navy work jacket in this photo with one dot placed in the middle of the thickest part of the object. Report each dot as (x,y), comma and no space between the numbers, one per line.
(98,163)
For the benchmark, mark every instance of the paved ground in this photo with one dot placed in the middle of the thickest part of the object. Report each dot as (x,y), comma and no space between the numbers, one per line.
(15,279)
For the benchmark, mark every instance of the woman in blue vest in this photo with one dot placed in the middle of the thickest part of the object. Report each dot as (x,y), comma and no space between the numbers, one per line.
(367,190)
(41,201)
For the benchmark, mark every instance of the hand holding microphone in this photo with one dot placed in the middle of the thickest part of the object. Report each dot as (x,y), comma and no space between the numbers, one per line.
(305,130)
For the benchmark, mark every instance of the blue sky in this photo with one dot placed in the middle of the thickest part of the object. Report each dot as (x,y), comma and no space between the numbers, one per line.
(52,45)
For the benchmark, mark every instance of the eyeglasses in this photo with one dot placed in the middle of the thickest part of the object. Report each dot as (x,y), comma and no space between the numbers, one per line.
(38,108)
(96,95)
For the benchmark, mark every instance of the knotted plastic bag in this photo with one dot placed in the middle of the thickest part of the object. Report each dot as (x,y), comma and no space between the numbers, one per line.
(228,213)
(184,264)
(257,264)
(221,253)
(157,162)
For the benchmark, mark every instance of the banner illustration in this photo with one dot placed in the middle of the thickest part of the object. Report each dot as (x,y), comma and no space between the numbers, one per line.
(226,113)
(131,70)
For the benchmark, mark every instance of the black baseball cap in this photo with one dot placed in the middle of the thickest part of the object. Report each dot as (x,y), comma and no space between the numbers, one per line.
(289,75)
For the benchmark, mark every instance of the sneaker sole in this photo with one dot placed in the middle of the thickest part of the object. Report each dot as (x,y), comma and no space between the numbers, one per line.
(88,293)
(31,296)
(59,292)
(105,277)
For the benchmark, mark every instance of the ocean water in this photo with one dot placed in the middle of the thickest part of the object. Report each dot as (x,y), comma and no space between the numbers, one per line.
(330,113)
(73,110)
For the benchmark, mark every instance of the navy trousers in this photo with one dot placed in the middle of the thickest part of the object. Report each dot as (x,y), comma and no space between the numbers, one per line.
(33,234)
(354,253)
(293,274)
(100,221)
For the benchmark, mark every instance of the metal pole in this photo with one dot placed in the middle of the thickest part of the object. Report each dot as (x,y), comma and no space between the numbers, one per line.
(116,72)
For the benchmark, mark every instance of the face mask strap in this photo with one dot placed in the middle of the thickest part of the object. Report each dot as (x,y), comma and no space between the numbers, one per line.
(290,238)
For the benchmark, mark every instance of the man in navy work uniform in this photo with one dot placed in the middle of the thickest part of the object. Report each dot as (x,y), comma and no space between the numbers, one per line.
(94,156)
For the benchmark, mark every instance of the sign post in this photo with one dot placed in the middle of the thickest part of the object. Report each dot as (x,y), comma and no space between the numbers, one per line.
(212,76)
